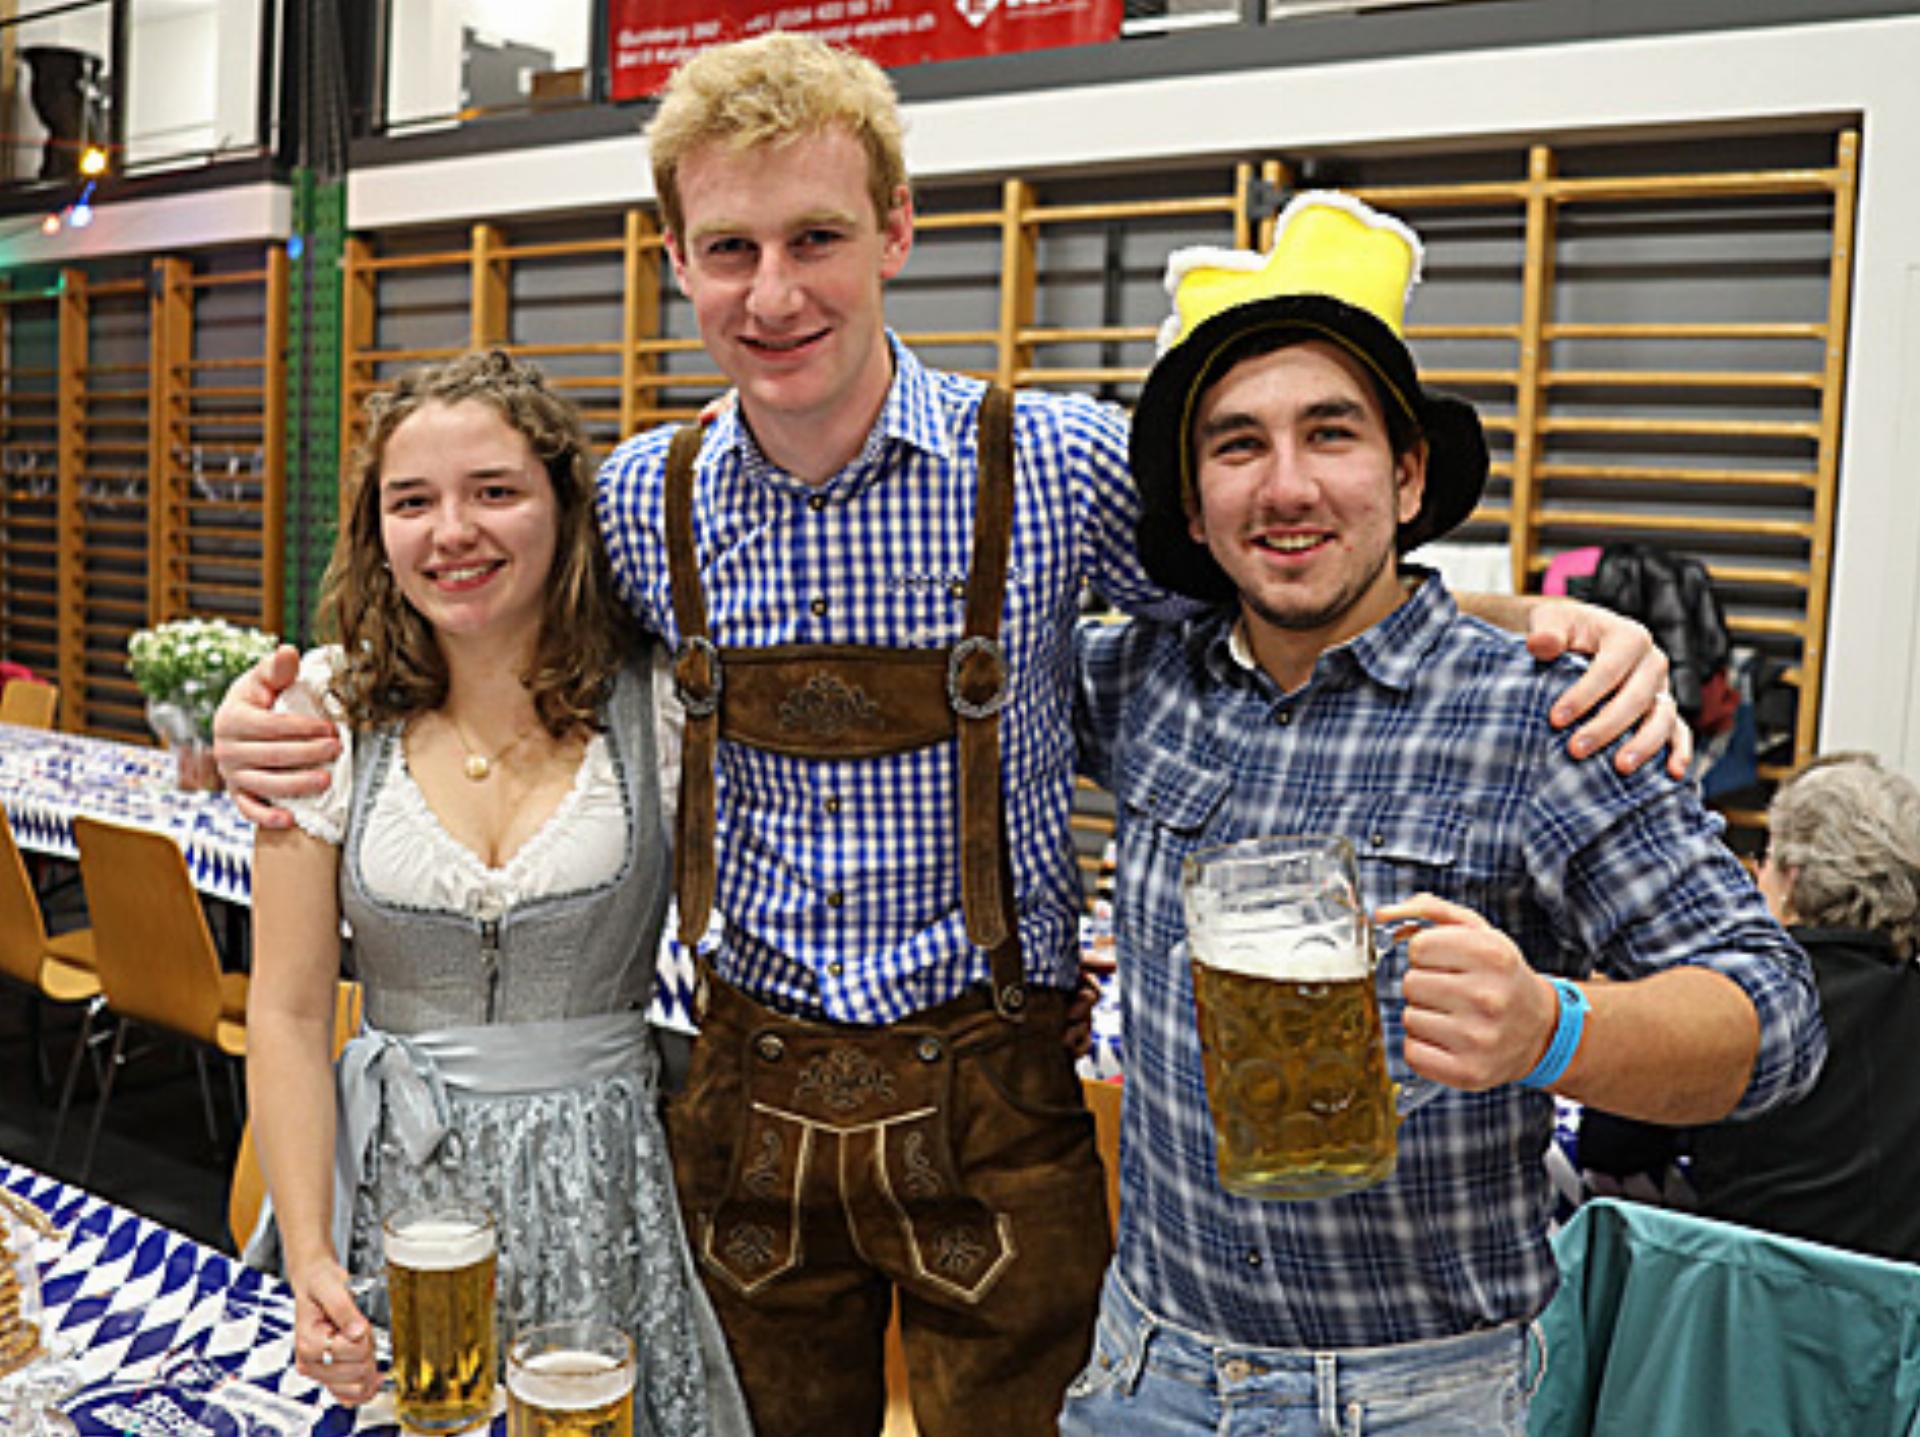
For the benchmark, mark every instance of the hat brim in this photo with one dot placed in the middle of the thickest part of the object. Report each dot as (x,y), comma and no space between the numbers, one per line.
(1160,445)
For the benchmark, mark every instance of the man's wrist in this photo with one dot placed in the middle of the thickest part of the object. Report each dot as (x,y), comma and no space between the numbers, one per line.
(1570,1022)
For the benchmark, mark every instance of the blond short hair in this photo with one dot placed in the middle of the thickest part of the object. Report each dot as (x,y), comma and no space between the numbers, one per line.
(770,90)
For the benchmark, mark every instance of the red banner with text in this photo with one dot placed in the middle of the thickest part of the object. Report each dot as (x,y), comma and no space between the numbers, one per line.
(647,38)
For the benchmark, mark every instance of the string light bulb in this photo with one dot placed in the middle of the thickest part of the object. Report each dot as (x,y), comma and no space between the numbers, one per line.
(93,161)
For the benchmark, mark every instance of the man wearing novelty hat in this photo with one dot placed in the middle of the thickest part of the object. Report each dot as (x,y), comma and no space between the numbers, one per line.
(1288,458)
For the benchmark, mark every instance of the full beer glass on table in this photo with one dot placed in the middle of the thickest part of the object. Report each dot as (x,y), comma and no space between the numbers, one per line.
(570,1379)
(1290,1035)
(441,1260)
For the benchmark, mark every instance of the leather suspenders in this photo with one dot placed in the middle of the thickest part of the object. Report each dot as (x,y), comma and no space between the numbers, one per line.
(846,701)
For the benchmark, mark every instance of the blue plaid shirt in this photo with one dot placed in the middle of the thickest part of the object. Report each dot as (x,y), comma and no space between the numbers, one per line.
(839,882)
(1425,740)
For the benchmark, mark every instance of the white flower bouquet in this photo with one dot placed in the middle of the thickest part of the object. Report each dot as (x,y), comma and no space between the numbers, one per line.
(184,668)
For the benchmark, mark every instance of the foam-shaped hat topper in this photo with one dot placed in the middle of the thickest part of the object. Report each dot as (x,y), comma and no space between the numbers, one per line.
(1325,242)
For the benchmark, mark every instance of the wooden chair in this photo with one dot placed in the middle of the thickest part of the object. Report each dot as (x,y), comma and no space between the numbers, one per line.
(58,968)
(249,1186)
(157,962)
(30,703)
(1103,1101)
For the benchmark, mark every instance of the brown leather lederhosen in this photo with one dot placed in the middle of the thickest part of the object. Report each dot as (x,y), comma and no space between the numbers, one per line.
(945,1159)
(847,701)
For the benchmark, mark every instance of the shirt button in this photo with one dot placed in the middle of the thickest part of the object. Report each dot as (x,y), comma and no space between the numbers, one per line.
(836,898)
(836,968)
(819,606)
(1284,717)
(817,503)
(1253,1257)
(1378,840)
(956,590)
(831,804)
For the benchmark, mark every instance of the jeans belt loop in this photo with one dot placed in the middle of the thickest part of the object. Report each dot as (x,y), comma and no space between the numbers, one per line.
(1326,1389)
(1144,1332)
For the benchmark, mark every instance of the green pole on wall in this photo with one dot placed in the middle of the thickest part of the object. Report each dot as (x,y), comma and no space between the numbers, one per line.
(313,391)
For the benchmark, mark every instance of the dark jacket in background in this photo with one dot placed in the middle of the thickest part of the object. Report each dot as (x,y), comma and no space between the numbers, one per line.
(1672,595)
(1843,1165)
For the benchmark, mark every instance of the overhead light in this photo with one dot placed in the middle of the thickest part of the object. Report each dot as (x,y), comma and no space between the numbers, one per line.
(93,161)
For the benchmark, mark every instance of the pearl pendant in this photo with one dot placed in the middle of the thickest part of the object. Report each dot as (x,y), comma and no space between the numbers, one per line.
(478,766)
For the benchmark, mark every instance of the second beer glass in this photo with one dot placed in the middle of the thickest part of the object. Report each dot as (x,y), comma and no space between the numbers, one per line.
(570,1379)
(441,1261)
(1290,1033)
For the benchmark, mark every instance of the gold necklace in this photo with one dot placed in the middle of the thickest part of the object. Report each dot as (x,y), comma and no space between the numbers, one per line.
(477,765)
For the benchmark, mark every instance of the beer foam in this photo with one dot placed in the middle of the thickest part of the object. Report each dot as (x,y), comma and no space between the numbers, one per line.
(569,1380)
(439,1244)
(1255,946)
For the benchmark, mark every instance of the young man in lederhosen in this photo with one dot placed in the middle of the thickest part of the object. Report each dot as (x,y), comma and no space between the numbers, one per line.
(869,571)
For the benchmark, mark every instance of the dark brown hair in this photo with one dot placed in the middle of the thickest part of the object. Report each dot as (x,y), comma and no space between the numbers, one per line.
(393,665)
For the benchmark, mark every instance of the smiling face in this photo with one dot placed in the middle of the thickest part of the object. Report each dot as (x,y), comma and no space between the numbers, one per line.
(784,258)
(468,524)
(1300,497)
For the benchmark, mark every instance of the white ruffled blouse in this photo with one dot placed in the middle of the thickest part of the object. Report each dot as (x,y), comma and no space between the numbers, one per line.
(408,857)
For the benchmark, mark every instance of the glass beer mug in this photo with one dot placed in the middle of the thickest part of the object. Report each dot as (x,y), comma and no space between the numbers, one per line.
(441,1269)
(1290,1035)
(570,1379)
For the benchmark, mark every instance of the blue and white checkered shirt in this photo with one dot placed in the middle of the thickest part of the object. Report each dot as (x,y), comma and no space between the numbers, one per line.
(839,882)
(1426,741)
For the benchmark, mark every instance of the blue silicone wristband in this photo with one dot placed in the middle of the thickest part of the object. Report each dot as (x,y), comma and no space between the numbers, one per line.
(1566,1036)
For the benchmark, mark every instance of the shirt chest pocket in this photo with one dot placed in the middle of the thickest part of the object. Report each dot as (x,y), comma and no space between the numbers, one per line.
(1406,846)
(1171,793)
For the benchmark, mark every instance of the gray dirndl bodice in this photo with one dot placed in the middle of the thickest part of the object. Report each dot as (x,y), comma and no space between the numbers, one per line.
(506,1060)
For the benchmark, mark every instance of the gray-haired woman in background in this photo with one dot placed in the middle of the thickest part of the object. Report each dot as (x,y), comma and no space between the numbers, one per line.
(1842,870)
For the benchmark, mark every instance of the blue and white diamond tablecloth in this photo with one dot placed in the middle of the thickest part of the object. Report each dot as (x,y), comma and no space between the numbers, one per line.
(48,778)
(173,1339)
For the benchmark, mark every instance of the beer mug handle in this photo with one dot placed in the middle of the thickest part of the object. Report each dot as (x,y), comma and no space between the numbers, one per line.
(369,1294)
(1415,1093)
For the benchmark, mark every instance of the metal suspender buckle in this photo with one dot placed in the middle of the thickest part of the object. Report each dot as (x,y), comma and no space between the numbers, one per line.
(698,684)
(995,667)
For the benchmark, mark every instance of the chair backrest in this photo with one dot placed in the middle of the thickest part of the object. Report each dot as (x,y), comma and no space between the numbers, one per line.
(249,1186)
(23,930)
(30,702)
(155,955)
(1670,1325)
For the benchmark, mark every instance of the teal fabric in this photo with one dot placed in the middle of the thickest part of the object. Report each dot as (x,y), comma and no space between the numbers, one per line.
(1670,1325)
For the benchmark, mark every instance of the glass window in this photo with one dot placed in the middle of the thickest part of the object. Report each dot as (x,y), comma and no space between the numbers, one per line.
(194,80)
(453,60)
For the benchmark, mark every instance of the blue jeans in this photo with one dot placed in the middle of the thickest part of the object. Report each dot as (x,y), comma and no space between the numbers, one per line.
(1150,1378)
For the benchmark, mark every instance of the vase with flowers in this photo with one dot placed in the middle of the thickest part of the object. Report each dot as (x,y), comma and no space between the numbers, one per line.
(184,668)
